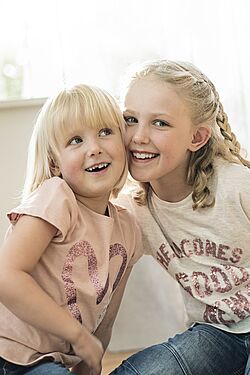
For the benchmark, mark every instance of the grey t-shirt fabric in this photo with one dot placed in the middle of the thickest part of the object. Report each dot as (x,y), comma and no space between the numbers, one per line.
(209,255)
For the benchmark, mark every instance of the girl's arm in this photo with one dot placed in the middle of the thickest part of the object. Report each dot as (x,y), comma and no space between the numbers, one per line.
(104,330)
(21,294)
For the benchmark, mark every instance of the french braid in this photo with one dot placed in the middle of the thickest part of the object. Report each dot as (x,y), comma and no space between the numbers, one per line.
(230,139)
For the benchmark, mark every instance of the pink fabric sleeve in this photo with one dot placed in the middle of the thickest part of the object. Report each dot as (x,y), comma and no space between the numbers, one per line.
(138,248)
(53,202)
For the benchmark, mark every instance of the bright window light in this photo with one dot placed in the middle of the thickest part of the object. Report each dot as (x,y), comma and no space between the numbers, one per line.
(45,44)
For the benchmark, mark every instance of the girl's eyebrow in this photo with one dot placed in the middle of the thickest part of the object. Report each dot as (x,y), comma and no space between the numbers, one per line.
(129,110)
(159,114)
(152,114)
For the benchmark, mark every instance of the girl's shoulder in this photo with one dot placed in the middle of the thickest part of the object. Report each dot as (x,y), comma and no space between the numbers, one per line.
(126,200)
(53,201)
(233,173)
(53,192)
(233,181)
(123,206)
(54,185)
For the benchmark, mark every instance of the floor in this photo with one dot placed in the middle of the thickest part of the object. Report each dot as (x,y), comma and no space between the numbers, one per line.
(111,360)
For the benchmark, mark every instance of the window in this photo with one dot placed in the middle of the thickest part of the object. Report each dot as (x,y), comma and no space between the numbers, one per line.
(47,43)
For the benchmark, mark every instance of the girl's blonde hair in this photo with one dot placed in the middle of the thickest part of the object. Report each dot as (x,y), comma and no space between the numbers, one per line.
(83,105)
(205,107)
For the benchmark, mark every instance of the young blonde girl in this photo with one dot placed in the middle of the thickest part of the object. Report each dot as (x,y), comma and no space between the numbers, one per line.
(69,251)
(193,207)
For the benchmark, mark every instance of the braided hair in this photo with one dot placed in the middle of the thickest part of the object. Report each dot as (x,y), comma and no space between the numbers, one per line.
(203,100)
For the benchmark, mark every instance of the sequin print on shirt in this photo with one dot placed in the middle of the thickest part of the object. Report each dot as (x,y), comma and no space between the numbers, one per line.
(85,249)
(222,288)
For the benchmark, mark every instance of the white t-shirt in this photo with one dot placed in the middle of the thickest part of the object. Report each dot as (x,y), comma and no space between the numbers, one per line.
(210,257)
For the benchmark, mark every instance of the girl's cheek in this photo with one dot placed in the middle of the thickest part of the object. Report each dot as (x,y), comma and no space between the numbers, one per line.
(127,138)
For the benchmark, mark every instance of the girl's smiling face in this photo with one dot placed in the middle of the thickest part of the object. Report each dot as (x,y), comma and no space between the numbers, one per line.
(159,135)
(91,161)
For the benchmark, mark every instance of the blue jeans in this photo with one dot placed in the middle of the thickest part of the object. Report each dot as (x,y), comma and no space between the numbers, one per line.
(201,350)
(42,368)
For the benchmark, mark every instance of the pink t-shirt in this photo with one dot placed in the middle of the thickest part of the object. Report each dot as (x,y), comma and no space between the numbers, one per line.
(80,269)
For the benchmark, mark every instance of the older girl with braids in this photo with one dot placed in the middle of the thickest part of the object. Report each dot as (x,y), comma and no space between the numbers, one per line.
(193,206)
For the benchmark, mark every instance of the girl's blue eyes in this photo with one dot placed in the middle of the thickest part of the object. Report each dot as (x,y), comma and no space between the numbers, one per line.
(130,120)
(160,123)
(102,133)
(75,140)
(105,131)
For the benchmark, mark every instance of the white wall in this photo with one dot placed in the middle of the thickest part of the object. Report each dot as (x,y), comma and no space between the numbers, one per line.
(16,124)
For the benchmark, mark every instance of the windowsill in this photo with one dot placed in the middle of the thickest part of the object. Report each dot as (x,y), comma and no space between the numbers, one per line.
(21,103)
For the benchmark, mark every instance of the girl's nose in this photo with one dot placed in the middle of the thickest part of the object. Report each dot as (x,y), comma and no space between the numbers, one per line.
(94,147)
(141,135)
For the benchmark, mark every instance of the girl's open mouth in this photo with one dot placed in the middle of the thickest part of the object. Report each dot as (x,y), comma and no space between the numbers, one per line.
(97,167)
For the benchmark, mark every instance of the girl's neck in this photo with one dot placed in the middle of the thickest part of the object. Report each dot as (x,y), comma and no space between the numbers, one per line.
(172,193)
(173,187)
(98,205)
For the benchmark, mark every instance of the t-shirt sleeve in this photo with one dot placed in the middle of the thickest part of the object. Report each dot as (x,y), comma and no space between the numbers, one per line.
(144,220)
(243,191)
(137,251)
(53,202)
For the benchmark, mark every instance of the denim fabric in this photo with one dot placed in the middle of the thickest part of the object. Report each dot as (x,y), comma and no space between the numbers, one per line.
(201,350)
(42,368)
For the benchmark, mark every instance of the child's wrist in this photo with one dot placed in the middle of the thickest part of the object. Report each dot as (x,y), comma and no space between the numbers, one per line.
(79,334)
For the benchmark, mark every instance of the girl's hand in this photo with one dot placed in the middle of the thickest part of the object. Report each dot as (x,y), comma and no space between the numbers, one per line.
(90,349)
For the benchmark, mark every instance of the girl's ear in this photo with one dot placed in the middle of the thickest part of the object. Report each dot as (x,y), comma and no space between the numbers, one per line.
(200,137)
(54,168)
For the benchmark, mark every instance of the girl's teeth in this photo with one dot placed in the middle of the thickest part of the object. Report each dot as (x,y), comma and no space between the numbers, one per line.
(143,155)
(99,166)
